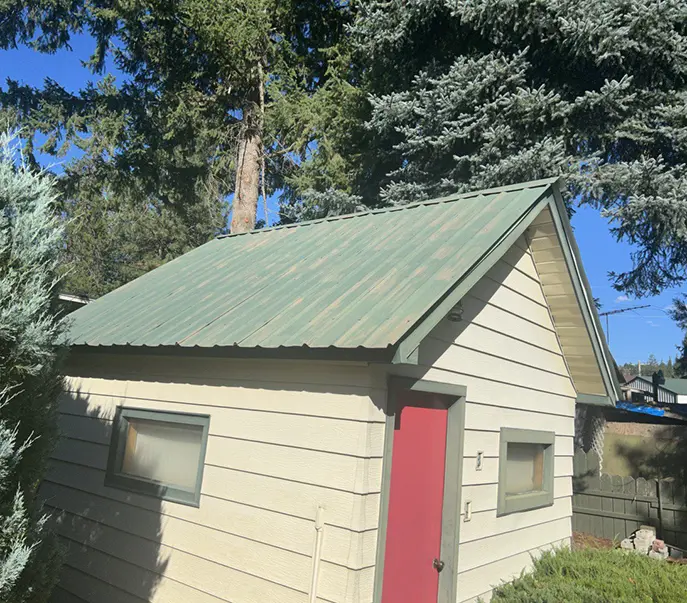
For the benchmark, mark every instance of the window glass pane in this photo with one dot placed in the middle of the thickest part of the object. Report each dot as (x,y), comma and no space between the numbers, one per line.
(163,452)
(524,468)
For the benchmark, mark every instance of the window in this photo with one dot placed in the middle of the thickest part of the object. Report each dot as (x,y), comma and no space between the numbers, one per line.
(158,453)
(525,470)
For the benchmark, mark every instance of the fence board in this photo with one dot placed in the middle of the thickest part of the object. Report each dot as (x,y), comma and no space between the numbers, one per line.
(666,515)
(679,500)
(651,486)
(611,506)
(618,507)
(607,507)
(594,481)
(630,502)
(580,522)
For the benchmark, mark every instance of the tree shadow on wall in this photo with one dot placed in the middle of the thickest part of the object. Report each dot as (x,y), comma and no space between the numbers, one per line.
(112,538)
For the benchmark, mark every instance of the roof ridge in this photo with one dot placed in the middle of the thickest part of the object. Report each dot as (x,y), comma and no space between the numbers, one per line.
(435,201)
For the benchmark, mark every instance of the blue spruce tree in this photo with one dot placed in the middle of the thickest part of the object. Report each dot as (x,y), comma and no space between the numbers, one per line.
(444,96)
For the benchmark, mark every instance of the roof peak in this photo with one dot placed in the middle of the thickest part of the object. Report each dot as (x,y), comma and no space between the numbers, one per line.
(519,186)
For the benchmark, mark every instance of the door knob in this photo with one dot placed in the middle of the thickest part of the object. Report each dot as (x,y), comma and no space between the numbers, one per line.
(438,565)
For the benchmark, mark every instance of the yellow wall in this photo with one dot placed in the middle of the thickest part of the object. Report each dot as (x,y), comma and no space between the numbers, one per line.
(506,352)
(284,439)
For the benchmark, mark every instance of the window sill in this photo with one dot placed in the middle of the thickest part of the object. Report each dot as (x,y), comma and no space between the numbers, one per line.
(525,502)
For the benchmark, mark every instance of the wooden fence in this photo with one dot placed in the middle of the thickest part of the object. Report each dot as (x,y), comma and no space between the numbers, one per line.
(611,506)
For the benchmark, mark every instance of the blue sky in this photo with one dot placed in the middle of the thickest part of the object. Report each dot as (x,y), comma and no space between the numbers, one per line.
(636,334)
(633,335)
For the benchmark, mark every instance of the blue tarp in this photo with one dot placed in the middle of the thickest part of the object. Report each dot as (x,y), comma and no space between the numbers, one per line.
(643,410)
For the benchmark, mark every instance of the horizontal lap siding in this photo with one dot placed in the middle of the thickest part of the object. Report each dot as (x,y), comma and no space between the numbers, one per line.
(506,352)
(284,438)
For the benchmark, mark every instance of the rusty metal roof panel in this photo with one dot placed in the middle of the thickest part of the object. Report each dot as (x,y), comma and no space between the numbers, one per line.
(357,281)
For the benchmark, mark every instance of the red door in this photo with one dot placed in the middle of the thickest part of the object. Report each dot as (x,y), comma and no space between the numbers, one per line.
(413,538)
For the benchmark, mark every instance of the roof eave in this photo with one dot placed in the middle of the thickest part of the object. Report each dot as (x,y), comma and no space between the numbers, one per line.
(369,355)
(585,299)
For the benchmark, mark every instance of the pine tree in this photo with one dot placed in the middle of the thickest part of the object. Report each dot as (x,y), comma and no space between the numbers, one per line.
(113,239)
(454,96)
(30,243)
(212,104)
(680,366)
(679,314)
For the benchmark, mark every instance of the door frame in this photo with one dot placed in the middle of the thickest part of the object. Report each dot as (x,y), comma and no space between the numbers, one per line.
(453,472)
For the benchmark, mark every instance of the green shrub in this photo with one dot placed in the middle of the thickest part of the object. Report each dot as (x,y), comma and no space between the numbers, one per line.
(597,576)
(30,350)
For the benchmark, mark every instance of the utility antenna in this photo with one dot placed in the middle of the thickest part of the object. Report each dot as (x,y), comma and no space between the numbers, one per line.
(607,314)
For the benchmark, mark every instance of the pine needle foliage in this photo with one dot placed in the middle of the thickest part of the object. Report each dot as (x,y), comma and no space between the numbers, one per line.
(454,96)
(678,313)
(153,138)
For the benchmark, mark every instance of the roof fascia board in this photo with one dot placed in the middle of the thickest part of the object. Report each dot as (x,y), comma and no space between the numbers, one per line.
(583,293)
(407,350)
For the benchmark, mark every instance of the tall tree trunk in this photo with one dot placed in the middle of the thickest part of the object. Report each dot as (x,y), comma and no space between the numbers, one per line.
(246,192)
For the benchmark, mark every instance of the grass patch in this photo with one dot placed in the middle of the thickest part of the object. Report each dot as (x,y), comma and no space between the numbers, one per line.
(597,576)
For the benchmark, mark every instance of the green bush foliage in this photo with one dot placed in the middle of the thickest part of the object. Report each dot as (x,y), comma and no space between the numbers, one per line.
(597,576)
(30,350)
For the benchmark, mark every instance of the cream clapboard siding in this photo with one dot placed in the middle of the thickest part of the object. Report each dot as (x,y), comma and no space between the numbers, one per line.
(505,350)
(284,438)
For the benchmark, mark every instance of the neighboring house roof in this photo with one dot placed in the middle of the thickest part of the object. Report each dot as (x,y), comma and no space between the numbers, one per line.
(679,386)
(376,281)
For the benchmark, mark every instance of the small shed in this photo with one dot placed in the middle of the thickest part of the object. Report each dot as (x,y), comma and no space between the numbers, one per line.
(376,407)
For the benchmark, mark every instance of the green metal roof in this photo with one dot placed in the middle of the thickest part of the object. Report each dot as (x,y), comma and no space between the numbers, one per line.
(359,281)
(677,386)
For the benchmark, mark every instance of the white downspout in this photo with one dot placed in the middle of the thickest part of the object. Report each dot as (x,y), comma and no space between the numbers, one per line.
(319,533)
